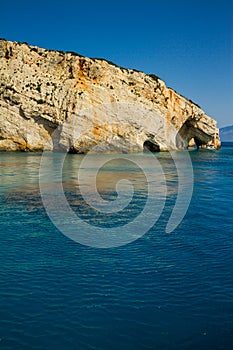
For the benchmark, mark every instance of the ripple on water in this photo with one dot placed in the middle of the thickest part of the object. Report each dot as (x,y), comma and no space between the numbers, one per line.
(160,292)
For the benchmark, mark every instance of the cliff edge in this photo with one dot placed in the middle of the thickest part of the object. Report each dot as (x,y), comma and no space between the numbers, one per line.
(64,101)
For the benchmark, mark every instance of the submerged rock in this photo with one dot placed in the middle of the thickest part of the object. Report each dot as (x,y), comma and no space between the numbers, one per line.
(65,102)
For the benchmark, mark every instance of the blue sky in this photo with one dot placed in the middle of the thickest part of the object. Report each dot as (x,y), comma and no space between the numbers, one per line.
(188,44)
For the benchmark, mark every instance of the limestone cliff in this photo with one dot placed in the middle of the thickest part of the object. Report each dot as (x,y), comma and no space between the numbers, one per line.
(45,95)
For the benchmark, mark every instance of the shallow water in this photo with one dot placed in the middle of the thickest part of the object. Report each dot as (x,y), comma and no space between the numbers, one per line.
(162,291)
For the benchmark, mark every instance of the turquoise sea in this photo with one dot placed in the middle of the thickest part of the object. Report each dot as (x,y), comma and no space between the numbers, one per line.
(163,291)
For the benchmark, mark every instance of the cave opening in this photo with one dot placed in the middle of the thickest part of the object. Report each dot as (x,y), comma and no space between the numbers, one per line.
(150,146)
(198,143)
(191,131)
(73,150)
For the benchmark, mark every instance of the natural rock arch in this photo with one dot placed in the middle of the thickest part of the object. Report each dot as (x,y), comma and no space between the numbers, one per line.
(191,130)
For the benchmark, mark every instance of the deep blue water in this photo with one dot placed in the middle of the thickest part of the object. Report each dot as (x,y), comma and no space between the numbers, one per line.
(162,291)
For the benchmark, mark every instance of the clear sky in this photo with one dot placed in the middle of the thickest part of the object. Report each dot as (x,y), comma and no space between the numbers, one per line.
(186,43)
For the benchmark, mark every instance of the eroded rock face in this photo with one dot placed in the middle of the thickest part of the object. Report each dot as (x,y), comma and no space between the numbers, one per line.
(63,101)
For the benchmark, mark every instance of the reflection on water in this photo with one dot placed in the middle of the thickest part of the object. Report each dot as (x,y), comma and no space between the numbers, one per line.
(20,183)
(19,170)
(19,173)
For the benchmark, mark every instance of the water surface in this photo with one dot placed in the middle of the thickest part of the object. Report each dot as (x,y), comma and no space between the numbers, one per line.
(162,291)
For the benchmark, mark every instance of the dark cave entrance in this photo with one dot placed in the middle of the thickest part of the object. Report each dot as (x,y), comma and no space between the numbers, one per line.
(150,146)
(198,142)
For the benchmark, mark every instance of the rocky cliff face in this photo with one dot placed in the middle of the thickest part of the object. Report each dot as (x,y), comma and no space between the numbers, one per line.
(63,101)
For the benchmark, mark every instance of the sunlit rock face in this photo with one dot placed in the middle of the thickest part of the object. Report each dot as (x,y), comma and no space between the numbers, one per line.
(65,102)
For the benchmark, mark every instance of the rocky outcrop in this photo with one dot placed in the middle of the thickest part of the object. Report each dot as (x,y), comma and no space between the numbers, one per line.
(63,101)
